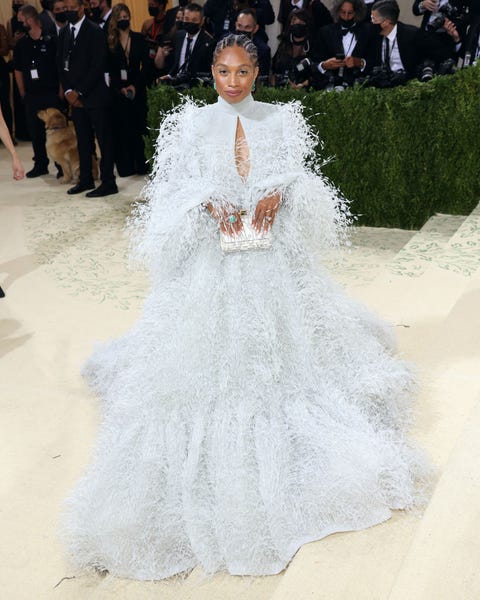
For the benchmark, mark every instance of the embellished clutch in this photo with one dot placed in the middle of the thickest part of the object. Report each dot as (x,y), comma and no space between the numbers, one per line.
(248,239)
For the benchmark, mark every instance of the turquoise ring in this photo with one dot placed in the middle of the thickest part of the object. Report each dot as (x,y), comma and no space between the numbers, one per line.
(232,219)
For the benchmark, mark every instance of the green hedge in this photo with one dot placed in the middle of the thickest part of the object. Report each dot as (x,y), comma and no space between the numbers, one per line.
(399,155)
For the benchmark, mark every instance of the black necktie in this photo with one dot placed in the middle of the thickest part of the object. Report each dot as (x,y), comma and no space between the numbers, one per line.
(71,42)
(188,54)
(387,54)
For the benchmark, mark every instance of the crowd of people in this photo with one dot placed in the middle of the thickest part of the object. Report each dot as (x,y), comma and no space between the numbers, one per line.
(82,56)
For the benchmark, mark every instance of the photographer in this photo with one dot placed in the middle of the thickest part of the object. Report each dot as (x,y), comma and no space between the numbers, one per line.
(342,45)
(292,62)
(470,50)
(446,20)
(222,15)
(190,56)
(247,25)
(397,52)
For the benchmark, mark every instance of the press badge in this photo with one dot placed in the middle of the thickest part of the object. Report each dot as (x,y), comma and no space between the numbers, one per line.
(34,73)
(123,74)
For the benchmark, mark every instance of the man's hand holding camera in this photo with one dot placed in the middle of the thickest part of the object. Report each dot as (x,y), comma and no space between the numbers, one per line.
(451,29)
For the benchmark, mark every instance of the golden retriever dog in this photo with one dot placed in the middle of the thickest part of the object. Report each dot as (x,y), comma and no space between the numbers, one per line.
(62,144)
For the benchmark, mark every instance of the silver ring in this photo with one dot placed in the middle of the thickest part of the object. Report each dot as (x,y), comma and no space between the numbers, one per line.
(267,218)
(232,219)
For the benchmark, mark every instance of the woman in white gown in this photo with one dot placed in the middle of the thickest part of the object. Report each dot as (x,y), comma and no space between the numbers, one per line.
(254,407)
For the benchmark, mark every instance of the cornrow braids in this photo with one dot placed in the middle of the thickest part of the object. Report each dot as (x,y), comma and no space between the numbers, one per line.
(240,41)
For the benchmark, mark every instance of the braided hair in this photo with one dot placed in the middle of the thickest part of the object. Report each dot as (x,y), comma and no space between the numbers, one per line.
(239,41)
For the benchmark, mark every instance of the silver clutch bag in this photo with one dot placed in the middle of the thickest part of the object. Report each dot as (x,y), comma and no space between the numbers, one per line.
(248,239)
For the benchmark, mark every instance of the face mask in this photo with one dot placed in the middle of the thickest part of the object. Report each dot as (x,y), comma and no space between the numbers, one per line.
(24,28)
(183,3)
(123,24)
(16,7)
(347,23)
(71,16)
(60,17)
(191,28)
(45,4)
(153,11)
(96,13)
(180,25)
(298,30)
(249,34)
(377,28)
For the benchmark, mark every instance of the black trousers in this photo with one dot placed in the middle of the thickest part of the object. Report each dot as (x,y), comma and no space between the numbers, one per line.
(90,122)
(130,125)
(36,127)
(5,95)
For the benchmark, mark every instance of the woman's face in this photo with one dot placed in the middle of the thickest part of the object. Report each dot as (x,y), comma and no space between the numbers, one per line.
(123,15)
(234,74)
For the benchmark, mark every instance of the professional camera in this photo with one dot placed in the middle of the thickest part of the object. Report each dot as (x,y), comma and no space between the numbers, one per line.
(382,77)
(186,81)
(447,11)
(301,71)
(426,71)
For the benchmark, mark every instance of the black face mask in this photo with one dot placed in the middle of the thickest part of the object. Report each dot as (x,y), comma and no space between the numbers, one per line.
(16,7)
(71,16)
(191,28)
(60,17)
(377,28)
(299,30)
(45,4)
(24,28)
(347,23)
(249,34)
(180,25)
(123,24)
(183,3)
(96,13)
(153,11)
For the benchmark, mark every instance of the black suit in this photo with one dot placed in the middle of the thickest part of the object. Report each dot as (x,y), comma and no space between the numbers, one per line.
(414,46)
(82,68)
(471,40)
(201,56)
(330,43)
(130,114)
(220,11)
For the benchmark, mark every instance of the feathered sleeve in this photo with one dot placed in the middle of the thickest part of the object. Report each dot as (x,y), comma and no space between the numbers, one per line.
(319,214)
(173,189)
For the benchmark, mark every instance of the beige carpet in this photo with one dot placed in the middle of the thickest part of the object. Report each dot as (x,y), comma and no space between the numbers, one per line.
(63,267)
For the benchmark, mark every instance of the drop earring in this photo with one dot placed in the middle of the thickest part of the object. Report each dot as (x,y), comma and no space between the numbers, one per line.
(253,86)
(214,85)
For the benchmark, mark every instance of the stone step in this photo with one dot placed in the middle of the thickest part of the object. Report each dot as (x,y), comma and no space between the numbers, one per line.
(370,250)
(426,246)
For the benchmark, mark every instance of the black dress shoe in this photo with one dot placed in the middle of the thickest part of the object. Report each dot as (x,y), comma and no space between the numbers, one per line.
(36,172)
(80,187)
(103,190)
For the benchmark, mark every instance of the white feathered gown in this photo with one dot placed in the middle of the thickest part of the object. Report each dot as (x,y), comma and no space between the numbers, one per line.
(253,407)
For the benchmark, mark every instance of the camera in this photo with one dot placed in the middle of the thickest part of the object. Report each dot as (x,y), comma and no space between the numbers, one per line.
(447,11)
(186,81)
(426,71)
(301,71)
(382,77)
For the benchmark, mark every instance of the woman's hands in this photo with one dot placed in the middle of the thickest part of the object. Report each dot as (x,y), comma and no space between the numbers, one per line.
(266,211)
(228,218)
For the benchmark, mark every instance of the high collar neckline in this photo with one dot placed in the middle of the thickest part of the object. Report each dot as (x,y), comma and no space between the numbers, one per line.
(238,108)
